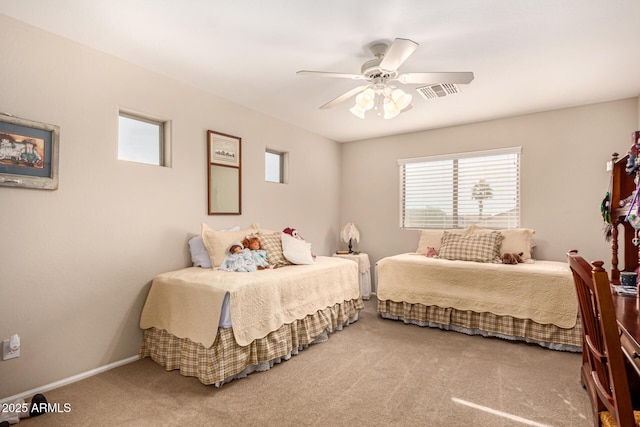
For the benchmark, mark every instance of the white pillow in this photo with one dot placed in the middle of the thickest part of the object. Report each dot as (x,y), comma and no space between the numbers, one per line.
(295,250)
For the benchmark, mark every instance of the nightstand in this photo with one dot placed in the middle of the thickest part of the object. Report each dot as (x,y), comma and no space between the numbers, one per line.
(365,271)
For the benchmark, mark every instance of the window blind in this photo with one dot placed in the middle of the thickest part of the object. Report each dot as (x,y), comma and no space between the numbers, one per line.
(457,190)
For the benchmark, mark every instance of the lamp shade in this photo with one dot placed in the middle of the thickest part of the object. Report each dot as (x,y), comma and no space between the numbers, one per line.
(349,232)
(401,99)
(390,109)
(366,99)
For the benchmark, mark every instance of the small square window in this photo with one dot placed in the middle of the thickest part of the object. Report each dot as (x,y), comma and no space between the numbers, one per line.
(141,140)
(274,166)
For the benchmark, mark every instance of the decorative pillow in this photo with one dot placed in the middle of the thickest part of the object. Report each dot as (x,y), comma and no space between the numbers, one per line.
(217,242)
(295,250)
(483,247)
(432,238)
(516,240)
(199,254)
(272,243)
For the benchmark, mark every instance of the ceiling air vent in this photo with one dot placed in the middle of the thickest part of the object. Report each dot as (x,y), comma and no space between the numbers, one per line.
(438,90)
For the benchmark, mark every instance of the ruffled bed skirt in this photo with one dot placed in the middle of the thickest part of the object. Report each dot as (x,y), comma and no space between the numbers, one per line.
(225,360)
(485,324)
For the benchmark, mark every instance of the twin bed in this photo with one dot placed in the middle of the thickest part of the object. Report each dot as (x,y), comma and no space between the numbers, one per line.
(219,325)
(533,301)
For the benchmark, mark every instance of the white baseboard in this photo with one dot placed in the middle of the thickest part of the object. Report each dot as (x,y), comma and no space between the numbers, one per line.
(42,389)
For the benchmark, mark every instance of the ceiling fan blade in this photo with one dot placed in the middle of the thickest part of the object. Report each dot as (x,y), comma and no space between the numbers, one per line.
(330,74)
(432,78)
(344,97)
(397,53)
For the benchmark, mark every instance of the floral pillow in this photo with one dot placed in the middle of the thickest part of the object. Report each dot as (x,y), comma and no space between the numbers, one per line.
(472,247)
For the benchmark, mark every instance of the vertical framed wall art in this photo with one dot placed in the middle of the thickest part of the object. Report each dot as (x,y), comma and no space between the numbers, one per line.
(224,170)
(28,153)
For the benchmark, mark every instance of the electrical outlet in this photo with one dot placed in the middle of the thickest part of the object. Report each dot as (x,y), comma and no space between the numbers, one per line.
(7,353)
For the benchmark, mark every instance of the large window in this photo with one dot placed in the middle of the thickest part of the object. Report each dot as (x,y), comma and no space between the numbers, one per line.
(457,190)
(142,139)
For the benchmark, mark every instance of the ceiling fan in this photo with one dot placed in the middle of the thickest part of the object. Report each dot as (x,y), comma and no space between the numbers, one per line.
(381,72)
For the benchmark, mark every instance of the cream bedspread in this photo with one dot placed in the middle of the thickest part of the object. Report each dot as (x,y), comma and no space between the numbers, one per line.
(542,291)
(187,302)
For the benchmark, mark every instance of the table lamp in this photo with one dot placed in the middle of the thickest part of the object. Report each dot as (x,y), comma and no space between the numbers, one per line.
(350,232)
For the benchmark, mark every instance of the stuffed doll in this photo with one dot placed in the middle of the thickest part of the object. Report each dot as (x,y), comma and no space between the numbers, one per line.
(512,258)
(254,250)
(237,260)
(431,252)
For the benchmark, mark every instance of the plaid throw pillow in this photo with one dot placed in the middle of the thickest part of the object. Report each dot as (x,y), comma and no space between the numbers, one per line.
(473,247)
(272,243)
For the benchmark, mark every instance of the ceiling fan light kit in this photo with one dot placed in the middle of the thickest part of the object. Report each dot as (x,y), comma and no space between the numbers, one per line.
(366,99)
(391,100)
(379,94)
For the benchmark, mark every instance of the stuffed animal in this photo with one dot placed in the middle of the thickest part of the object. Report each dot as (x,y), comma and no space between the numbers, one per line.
(292,232)
(431,252)
(512,258)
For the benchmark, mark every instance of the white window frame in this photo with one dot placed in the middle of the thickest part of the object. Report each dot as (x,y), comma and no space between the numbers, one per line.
(282,173)
(164,137)
(443,189)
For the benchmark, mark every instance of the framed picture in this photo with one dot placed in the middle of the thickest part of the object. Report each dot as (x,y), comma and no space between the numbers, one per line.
(225,149)
(28,153)
(224,175)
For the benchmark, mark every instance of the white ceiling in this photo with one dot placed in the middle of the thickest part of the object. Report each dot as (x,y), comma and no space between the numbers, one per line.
(527,55)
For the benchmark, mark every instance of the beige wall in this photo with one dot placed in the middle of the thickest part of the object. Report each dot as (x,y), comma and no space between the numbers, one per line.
(76,263)
(564,179)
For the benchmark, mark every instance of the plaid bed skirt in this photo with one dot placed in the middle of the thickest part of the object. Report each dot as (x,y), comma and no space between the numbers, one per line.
(225,359)
(486,324)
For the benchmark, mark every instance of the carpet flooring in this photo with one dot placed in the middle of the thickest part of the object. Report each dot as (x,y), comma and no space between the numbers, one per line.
(375,372)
